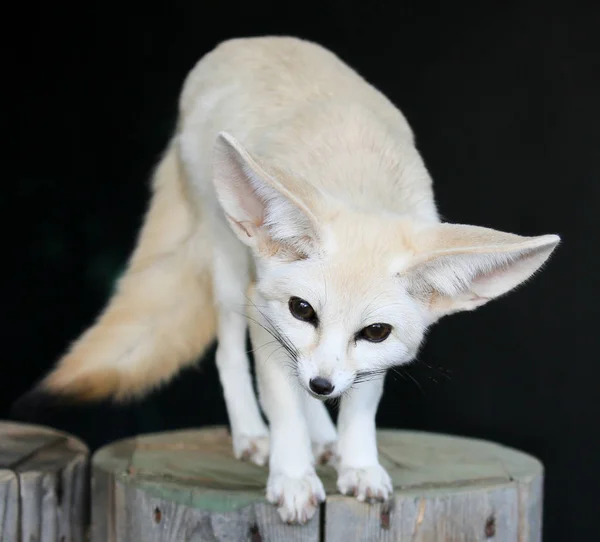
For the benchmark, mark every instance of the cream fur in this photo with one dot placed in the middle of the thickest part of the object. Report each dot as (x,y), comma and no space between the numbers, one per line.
(288,169)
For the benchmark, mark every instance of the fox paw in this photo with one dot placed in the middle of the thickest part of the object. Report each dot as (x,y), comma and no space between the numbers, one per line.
(296,499)
(252,448)
(366,484)
(325,453)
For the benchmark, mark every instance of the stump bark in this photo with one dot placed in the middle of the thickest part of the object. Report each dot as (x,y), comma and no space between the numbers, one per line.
(44,485)
(186,486)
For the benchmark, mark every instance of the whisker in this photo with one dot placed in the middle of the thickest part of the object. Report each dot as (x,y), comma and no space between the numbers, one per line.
(253,350)
(271,332)
(442,371)
(335,402)
(277,333)
(365,376)
(414,380)
(395,372)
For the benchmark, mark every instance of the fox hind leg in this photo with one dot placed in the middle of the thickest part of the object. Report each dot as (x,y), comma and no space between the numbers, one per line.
(321,428)
(231,268)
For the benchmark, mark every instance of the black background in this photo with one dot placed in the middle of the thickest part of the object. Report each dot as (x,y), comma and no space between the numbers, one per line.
(504,99)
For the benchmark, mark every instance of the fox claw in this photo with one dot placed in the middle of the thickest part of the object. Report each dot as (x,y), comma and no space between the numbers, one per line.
(297,499)
(253,449)
(367,484)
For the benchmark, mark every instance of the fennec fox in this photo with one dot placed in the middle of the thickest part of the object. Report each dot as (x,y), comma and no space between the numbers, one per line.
(289,171)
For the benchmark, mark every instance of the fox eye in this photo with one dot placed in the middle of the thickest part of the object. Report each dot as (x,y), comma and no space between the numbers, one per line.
(375,333)
(302,310)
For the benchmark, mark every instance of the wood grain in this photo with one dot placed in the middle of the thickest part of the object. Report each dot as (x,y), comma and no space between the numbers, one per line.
(44,485)
(9,505)
(187,486)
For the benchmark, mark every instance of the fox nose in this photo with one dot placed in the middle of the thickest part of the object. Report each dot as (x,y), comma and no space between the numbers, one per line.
(321,386)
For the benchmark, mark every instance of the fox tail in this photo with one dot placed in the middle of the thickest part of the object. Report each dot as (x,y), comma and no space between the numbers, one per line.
(161,316)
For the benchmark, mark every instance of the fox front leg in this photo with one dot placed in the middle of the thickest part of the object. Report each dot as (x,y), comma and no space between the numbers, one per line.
(323,434)
(359,471)
(293,485)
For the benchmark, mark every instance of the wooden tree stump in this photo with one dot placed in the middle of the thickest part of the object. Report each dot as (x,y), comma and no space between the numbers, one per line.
(186,486)
(44,485)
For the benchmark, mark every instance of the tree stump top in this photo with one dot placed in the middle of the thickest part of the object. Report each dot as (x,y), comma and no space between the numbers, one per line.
(478,485)
(34,448)
(170,464)
(43,484)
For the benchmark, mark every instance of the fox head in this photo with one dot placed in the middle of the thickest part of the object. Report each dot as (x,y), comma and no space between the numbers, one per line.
(353,293)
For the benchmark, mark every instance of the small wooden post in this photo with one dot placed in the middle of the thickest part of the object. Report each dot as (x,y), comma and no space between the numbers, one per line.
(186,486)
(44,485)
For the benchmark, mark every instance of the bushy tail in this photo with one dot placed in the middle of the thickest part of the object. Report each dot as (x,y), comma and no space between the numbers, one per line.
(161,316)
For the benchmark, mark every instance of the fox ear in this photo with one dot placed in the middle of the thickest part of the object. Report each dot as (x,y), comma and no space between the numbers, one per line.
(460,267)
(264,215)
